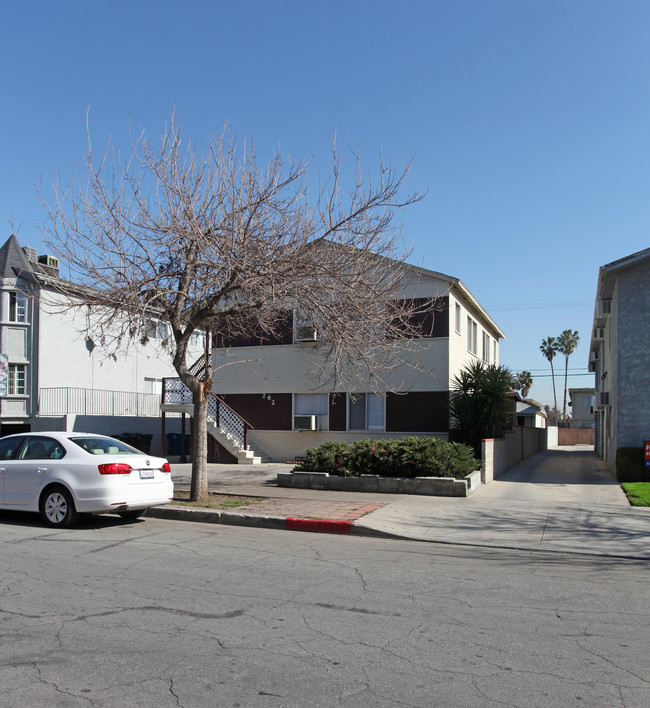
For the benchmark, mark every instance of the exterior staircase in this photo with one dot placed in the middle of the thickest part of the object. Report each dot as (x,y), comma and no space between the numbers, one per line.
(227,427)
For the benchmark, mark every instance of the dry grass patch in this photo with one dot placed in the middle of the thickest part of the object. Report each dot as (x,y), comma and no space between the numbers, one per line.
(215,501)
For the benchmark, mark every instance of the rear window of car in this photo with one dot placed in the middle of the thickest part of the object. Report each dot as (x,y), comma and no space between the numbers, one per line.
(104,446)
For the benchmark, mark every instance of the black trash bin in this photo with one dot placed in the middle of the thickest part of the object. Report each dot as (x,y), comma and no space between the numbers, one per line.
(173,443)
(144,442)
(128,438)
(139,441)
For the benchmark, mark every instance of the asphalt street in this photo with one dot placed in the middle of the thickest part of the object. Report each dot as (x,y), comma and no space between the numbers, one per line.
(166,613)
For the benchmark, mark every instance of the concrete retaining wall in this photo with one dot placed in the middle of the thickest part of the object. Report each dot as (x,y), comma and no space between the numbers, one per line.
(500,454)
(431,486)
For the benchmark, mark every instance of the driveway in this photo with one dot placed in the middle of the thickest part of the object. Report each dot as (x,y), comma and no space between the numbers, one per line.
(564,499)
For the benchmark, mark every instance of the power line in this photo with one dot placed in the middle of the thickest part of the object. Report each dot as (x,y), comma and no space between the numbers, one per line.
(541,305)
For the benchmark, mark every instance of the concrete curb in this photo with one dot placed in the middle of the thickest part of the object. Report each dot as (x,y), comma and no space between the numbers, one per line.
(280,523)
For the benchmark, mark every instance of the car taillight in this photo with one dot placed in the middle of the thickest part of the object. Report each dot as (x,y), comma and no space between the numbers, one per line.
(115,468)
(166,468)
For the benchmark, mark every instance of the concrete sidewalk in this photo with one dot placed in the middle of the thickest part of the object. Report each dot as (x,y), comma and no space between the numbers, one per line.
(562,500)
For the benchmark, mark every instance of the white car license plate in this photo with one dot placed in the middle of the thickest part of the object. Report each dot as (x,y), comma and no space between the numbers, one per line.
(146,474)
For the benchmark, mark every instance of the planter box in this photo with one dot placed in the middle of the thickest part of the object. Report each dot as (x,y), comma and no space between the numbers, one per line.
(431,486)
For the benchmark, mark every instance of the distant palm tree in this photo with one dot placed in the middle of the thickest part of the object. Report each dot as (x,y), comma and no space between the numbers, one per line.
(566,344)
(549,348)
(524,381)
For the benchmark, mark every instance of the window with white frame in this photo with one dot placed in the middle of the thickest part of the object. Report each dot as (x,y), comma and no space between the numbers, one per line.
(158,330)
(366,411)
(310,403)
(152,385)
(472,335)
(486,347)
(494,351)
(16,376)
(458,318)
(587,401)
(17,307)
(196,339)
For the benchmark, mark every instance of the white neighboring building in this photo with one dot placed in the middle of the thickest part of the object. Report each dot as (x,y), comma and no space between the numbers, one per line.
(272,384)
(58,377)
(619,355)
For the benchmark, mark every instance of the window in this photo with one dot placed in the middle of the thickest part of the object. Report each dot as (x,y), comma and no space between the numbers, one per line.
(16,379)
(366,411)
(158,330)
(472,335)
(41,448)
(196,339)
(8,447)
(458,318)
(494,351)
(310,403)
(152,385)
(17,307)
(486,347)
(587,401)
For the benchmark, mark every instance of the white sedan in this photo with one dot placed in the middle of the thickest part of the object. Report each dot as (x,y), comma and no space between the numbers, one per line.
(63,475)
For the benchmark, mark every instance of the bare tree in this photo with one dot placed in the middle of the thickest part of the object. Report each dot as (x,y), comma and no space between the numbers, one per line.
(204,239)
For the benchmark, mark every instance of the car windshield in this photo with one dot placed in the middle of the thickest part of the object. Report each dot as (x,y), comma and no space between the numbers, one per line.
(105,446)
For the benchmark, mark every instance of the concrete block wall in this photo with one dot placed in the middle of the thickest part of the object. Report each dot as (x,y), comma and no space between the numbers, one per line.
(500,454)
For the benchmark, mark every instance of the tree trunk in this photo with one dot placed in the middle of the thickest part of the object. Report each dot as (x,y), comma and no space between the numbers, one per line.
(553,379)
(199,487)
(566,373)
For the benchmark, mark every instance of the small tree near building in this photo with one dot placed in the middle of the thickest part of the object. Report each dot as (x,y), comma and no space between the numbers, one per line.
(479,403)
(206,240)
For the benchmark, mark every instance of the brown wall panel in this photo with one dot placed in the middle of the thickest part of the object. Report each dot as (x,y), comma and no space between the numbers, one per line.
(338,412)
(418,412)
(269,412)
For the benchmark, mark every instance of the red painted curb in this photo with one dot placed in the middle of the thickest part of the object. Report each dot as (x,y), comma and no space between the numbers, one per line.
(318,525)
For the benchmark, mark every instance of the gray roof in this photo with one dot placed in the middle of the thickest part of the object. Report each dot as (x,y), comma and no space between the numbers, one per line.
(13,258)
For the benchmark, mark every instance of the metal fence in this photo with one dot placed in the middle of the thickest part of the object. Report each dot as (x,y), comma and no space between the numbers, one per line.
(89,401)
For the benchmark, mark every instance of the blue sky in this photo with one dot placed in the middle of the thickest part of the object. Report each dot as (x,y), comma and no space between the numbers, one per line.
(529,122)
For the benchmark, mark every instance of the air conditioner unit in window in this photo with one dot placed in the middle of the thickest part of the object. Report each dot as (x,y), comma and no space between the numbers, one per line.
(603,399)
(604,308)
(306,333)
(304,422)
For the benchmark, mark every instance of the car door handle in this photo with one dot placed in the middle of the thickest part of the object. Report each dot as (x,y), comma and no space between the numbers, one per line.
(42,469)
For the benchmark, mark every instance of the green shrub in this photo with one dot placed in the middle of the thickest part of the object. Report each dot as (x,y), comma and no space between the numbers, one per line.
(408,457)
(630,465)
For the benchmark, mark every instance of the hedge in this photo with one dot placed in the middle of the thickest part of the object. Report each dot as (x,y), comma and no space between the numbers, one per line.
(630,465)
(408,457)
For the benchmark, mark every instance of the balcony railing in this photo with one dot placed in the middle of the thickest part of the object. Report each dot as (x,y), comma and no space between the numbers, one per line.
(89,401)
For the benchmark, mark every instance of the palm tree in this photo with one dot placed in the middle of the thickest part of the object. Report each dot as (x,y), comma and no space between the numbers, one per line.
(549,348)
(524,380)
(566,344)
(479,402)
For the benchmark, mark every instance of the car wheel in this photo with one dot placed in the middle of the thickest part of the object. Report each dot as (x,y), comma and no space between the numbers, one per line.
(57,507)
(132,514)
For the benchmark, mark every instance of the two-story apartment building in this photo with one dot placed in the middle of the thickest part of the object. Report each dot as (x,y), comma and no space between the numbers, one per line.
(581,401)
(273,386)
(55,375)
(619,354)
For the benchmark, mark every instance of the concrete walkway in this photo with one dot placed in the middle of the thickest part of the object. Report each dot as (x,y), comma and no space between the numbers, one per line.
(562,500)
